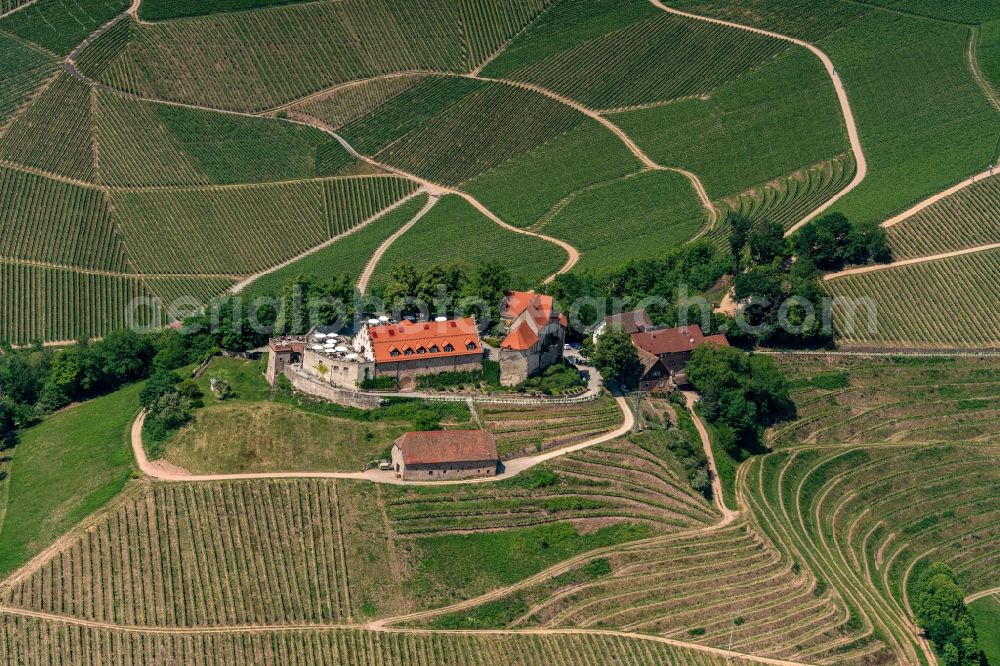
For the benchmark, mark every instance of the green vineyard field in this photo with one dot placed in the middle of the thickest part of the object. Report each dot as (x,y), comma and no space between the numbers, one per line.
(320,45)
(60,25)
(54,304)
(525,188)
(242,229)
(869,519)
(23,70)
(918,107)
(747,132)
(35,642)
(965,219)
(641,216)
(226,553)
(354,100)
(50,221)
(349,255)
(158,10)
(472,129)
(957,298)
(190,147)
(693,587)
(454,232)
(654,59)
(55,134)
(904,400)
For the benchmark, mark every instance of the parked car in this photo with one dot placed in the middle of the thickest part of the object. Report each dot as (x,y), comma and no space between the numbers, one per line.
(385,466)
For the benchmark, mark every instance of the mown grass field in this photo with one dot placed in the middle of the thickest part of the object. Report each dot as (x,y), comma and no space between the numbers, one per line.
(63,470)
(34,642)
(453,232)
(251,433)
(987,614)
(957,298)
(965,219)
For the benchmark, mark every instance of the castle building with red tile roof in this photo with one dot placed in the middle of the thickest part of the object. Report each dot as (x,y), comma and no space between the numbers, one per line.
(537,333)
(441,455)
(404,351)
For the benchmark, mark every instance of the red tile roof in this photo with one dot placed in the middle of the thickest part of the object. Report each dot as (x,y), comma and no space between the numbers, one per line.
(517,302)
(674,340)
(521,338)
(539,308)
(447,446)
(287,345)
(407,336)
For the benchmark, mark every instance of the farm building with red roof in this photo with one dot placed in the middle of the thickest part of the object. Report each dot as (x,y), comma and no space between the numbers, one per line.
(441,455)
(664,352)
(537,333)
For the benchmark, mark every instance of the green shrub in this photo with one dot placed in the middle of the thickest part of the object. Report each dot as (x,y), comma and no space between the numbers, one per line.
(557,379)
(380,384)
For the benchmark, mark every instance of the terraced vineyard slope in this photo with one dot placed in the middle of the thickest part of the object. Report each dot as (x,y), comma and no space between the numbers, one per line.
(868,519)
(851,400)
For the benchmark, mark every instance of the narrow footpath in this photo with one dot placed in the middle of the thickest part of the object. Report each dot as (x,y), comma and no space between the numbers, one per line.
(728,515)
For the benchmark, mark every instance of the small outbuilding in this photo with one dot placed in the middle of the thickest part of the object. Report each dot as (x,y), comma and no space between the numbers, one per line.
(444,454)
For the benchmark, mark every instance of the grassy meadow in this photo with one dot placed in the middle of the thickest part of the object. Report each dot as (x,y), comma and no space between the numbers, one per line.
(63,470)
(249,432)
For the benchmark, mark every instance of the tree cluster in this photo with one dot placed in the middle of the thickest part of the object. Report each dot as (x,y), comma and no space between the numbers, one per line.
(944,617)
(168,401)
(741,394)
(37,381)
(832,242)
(692,268)
(616,358)
(777,281)
(448,290)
